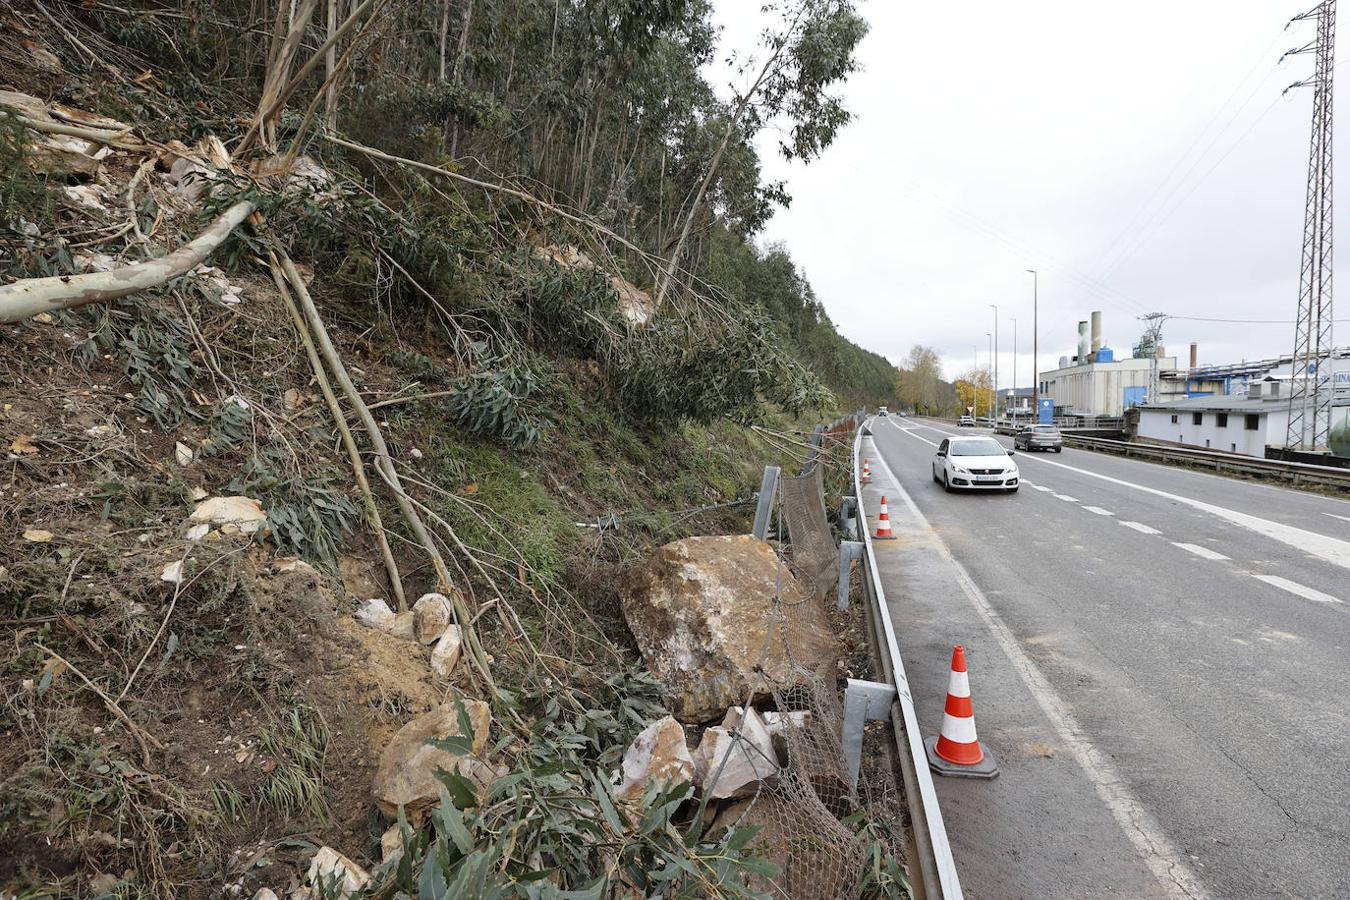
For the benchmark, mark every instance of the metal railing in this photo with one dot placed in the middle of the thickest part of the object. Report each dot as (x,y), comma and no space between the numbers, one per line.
(1298,474)
(932,850)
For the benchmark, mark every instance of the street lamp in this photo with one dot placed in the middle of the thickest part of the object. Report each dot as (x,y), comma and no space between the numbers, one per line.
(990,411)
(974,380)
(1014,386)
(994,412)
(1035,347)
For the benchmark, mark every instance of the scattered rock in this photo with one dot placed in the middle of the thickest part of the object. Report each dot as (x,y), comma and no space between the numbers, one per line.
(196,493)
(431,616)
(37,535)
(182,453)
(701,610)
(98,430)
(446,655)
(102,883)
(330,869)
(391,845)
(245,514)
(748,760)
(658,752)
(173,572)
(407,771)
(403,626)
(265,894)
(375,614)
(287,564)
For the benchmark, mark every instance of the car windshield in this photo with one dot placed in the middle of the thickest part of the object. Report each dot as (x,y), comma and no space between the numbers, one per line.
(976,447)
(1046,429)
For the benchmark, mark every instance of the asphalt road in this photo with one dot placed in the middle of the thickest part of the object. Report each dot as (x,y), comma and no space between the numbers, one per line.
(1186,638)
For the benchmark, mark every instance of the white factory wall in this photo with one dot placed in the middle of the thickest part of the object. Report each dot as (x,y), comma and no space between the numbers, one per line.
(1099,388)
(1236,437)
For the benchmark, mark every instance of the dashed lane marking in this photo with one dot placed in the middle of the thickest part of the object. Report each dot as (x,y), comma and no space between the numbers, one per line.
(1202,552)
(1098,511)
(1066,498)
(1141,527)
(1295,588)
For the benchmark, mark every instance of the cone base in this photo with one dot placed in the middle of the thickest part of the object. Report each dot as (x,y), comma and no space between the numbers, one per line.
(985,768)
(883,537)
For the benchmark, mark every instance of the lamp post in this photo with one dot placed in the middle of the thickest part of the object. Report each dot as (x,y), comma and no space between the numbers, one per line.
(994,411)
(974,379)
(1035,347)
(1014,374)
(990,411)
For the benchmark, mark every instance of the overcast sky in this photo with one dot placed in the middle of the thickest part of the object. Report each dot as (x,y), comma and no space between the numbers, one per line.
(1140,156)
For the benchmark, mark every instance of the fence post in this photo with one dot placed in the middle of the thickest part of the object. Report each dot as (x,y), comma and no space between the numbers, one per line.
(864,701)
(848,551)
(768,487)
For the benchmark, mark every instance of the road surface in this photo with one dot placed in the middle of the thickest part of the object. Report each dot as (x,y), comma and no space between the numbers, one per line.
(1159,658)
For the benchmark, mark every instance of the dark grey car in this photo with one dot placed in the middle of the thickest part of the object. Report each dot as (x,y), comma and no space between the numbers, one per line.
(1039,437)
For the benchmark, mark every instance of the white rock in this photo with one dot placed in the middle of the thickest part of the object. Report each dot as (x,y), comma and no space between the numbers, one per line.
(446,654)
(403,626)
(265,894)
(375,614)
(244,513)
(658,752)
(742,761)
(182,453)
(330,867)
(431,615)
(391,845)
(197,532)
(173,572)
(198,493)
(99,431)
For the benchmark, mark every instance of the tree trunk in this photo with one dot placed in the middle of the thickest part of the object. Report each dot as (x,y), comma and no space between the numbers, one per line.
(26,298)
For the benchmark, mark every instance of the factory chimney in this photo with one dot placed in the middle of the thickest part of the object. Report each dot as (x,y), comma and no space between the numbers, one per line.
(1082,343)
(1096,332)
(1195,355)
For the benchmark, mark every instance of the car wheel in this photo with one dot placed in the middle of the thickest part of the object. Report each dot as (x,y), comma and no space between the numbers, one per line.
(936,479)
(946,483)
(1059,449)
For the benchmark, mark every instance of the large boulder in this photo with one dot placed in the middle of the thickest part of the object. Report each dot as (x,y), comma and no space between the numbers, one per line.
(702,612)
(407,772)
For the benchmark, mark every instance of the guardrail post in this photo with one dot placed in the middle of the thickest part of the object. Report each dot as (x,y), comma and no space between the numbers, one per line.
(864,701)
(848,552)
(768,487)
(848,511)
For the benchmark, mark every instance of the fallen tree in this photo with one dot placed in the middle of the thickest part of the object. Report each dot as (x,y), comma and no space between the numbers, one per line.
(29,296)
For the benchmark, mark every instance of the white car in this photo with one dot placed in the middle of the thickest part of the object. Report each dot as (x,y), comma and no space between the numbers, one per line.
(975,463)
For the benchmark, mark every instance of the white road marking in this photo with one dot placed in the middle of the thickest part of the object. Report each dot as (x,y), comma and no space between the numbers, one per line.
(1294,587)
(1097,510)
(1167,864)
(1331,549)
(1141,527)
(1202,552)
(1040,487)
(1334,516)
(1066,498)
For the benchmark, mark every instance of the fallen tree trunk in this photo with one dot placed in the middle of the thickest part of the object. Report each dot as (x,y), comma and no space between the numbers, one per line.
(26,298)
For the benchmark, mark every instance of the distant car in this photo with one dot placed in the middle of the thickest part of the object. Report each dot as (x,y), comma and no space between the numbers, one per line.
(1039,437)
(903,414)
(975,463)
(966,422)
(883,412)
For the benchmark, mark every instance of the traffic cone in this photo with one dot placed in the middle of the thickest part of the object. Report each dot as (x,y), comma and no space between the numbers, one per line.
(957,751)
(867,472)
(884,532)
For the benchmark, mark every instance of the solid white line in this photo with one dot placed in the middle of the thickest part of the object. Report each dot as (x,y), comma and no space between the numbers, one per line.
(1334,516)
(1141,527)
(1202,552)
(1331,549)
(1294,587)
(1099,511)
(1066,498)
(1167,864)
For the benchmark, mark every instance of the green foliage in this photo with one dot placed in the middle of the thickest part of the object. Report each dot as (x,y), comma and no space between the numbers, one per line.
(495,403)
(23,194)
(152,347)
(307,516)
(297,743)
(551,828)
(230,423)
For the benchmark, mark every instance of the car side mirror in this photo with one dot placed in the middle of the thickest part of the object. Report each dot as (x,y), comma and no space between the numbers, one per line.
(1012,452)
(940,453)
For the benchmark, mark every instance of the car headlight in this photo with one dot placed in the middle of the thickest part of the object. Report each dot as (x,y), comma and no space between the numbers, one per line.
(959,471)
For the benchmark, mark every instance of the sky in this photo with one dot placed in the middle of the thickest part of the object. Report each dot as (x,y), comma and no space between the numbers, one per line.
(1140,156)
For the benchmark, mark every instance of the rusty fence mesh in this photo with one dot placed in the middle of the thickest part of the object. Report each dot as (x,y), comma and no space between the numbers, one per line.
(808,813)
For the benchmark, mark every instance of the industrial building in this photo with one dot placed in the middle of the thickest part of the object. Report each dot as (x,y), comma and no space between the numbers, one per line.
(1241,423)
(1094,383)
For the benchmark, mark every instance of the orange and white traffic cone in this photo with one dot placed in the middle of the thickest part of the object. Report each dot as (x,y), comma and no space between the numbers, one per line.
(957,751)
(884,532)
(867,472)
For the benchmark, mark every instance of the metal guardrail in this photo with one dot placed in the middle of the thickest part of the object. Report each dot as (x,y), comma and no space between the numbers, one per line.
(938,879)
(1294,473)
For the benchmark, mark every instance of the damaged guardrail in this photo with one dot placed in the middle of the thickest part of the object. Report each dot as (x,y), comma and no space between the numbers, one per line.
(891,698)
